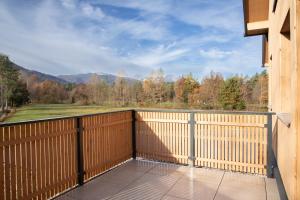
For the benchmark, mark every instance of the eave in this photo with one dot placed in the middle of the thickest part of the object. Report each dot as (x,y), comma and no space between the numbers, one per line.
(256,17)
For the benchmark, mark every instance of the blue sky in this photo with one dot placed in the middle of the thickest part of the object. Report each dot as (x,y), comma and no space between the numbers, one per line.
(129,37)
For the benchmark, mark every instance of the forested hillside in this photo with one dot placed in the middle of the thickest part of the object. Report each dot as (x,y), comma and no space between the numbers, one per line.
(212,92)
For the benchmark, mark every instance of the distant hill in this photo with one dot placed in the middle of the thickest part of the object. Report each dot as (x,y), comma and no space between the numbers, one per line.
(84,78)
(41,76)
(64,79)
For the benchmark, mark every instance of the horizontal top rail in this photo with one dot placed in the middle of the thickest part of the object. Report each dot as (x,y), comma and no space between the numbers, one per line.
(140,110)
(206,111)
(61,118)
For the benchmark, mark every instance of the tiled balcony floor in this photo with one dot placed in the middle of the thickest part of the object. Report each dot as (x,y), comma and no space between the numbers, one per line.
(151,180)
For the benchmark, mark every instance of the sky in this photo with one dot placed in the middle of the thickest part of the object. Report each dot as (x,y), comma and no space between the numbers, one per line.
(129,37)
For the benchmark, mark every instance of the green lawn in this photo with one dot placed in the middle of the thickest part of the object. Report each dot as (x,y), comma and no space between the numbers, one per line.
(32,112)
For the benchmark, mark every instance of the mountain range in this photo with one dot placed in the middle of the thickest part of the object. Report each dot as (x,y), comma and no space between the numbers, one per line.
(75,78)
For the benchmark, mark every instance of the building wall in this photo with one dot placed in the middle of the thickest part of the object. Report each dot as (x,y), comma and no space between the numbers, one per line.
(284,89)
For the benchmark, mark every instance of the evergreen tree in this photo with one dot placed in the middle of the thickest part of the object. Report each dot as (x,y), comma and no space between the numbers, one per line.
(20,95)
(231,95)
(9,77)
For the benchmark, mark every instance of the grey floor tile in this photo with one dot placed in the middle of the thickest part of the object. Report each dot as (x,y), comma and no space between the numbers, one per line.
(191,189)
(141,191)
(95,190)
(205,175)
(172,198)
(235,186)
(272,189)
(151,180)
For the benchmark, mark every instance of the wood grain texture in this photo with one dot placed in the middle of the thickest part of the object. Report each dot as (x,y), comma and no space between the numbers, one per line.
(107,141)
(32,158)
(163,136)
(221,143)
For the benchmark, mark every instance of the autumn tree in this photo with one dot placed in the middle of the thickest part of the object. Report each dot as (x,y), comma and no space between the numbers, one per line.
(207,93)
(121,94)
(184,87)
(260,90)
(98,90)
(154,87)
(51,92)
(79,95)
(136,92)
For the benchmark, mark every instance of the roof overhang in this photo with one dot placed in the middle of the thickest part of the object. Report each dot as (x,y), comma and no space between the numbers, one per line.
(256,17)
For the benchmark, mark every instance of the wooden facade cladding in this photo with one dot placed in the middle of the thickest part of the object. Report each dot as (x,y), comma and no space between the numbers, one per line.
(284,86)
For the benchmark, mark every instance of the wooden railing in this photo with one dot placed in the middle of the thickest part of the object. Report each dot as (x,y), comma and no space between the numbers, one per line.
(41,159)
(235,141)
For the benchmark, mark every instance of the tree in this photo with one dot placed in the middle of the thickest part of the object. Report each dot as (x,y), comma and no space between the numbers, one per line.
(98,90)
(260,90)
(184,87)
(51,92)
(20,95)
(9,77)
(231,97)
(207,94)
(80,95)
(154,87)
(169,90)
(136,92)
(121,91)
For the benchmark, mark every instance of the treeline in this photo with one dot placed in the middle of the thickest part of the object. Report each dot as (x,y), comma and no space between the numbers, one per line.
(212,92)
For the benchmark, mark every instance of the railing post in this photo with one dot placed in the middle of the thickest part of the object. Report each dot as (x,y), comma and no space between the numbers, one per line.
(133,134)
(270,155)
(192,123)
(80,170)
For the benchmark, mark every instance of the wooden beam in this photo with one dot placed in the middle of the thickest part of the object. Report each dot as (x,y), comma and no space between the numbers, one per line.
(257,28)
(258,25)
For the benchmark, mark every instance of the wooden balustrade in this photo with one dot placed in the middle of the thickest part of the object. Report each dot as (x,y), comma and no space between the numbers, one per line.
(41,159)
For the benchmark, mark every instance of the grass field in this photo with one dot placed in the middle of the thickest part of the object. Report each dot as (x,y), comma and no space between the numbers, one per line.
(33,112)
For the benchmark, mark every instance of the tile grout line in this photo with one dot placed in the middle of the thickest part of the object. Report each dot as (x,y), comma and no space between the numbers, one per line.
(131,182)
(219,186)
(171,187)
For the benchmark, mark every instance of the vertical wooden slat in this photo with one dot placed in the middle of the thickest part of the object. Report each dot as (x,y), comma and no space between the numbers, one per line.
(13,165)
(2,163)
(7,165)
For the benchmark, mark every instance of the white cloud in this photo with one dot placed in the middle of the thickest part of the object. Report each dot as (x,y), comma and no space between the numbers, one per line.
(72,36)
(93,12)
(58,48)
(70,4)
(218,14)
(215,53)
(158,56)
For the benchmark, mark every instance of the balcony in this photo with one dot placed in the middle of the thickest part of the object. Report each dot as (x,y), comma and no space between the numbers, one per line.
(140,154)
(154,180)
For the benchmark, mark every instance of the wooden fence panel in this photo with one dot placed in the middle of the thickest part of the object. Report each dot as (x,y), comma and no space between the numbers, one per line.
(33,159)
(163,136)
(38,160)
(107,141)
(235,142)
